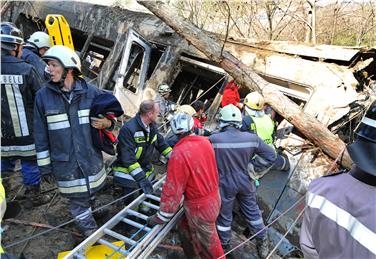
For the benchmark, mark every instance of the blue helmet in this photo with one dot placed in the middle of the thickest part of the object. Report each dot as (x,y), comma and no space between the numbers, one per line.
(10,36)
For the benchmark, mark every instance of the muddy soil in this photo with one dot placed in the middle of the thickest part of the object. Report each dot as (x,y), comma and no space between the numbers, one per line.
(56,212)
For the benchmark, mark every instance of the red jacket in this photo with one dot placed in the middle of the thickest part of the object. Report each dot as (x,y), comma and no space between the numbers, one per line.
(192,171)
(230,94)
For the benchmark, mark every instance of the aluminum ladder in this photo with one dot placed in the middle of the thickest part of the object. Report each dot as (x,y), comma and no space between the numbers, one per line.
(140,244)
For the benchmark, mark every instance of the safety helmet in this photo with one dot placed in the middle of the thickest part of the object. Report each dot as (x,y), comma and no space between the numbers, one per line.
(66,56)
(40,40)
(162,89)
(363,150)
(10,36)
(254,100)
(188,109)
(230,114)
(181,123)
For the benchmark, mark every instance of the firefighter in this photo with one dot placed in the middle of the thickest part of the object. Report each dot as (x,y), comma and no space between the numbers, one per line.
(234,150)
(137,140)
(19,84)
(65,150)
(33,51)
(192,172)
(166,106)
(255,120)
(231,95)
(340,218)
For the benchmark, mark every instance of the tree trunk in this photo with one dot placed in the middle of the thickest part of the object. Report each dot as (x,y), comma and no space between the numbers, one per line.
(307,125)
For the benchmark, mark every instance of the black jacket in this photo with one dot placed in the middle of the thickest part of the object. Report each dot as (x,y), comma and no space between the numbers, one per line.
(19,84)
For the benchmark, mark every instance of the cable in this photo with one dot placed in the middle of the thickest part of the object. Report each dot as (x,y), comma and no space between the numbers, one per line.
(264,228)
(290,228)
(72,220)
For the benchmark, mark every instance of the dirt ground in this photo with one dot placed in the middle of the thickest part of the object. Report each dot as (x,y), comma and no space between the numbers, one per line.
(56,212)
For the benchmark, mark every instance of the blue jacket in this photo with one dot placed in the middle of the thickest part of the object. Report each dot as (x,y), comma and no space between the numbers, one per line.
(135,149)
(30,56)
(63,139)
(19,84)
(234,149)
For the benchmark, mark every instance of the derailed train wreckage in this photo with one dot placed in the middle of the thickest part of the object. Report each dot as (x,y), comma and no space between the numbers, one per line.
(131,53)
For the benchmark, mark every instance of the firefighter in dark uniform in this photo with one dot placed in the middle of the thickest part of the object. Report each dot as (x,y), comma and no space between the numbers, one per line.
(33,51)
(233,151)
(137,140)
(64,145)
(19,84)
(340,218)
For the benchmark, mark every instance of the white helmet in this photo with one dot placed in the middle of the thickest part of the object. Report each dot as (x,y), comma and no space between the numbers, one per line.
(66,56)
(255,101)
(40,40)
(162,89)
(181,123)
(230,115)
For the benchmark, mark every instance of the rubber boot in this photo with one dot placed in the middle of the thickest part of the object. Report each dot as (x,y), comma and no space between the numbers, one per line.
(34,198)
(262,246)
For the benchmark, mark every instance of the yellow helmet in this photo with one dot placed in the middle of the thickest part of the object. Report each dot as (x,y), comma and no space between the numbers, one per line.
(255,101)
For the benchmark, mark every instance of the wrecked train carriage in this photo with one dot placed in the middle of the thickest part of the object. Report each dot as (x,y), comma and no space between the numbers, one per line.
(133,52)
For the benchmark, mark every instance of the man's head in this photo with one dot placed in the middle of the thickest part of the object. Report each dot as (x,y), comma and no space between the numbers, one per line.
(199,107)
(164,90)
(11,39)
(63,63)
(230,115)
(363,150)
(182,124)
(41,41)
(149,111)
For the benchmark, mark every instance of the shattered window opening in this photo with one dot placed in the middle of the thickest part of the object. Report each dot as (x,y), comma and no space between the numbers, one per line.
(135,62)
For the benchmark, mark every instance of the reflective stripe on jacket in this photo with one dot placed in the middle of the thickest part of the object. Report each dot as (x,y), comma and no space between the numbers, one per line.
(63,139)
(19,84)
(340,218)
(135,149)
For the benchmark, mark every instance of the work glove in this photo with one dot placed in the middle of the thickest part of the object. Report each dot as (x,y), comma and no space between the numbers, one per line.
(154,220)
(146,186)
(48,178)
(100,123)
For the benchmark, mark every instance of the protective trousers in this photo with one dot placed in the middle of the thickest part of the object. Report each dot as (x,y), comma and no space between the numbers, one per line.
(198,233)
(81,211)
(244,190)
(29,170)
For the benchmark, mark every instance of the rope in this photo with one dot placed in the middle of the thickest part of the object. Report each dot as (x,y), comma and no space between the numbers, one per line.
(264,228)
(71,221)
(288,231)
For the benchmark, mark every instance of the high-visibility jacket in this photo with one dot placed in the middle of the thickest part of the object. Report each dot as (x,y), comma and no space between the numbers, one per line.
(135,149)
(63,139)
(19,84)
(261,124)
(340,218)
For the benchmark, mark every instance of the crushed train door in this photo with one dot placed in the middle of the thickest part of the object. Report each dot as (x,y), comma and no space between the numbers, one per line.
(134,64)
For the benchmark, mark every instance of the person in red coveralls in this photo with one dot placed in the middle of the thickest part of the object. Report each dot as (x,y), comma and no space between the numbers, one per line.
(231,95)
(199,119)
(192,172)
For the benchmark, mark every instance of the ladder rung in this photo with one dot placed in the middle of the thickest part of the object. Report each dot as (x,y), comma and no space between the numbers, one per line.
(119,236)
(151,205)
(153,197)
(116,248)
(137,214)
(135,224)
